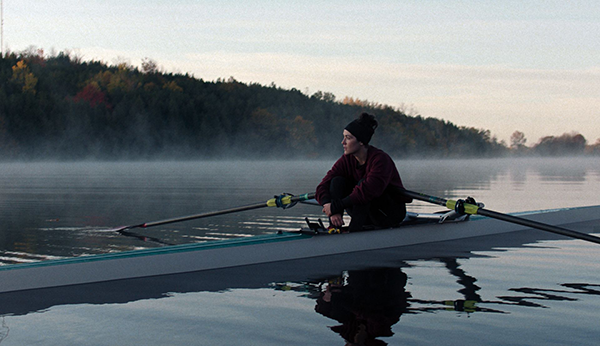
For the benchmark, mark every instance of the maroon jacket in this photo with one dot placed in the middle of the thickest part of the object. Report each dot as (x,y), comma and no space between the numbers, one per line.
(378,172)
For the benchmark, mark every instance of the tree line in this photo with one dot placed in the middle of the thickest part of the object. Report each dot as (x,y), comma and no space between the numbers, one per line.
(61,107)
(567,144)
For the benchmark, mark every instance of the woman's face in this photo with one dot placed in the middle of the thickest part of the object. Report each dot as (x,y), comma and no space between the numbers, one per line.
(350,143)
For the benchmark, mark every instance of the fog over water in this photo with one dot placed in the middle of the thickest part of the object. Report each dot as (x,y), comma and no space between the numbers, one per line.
(65,209)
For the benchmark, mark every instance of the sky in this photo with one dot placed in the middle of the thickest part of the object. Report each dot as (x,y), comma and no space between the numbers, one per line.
(531,66)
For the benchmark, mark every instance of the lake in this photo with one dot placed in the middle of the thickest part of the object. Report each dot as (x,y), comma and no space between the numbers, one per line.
(527,289)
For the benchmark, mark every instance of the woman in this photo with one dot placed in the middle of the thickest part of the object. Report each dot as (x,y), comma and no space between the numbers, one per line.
(364,182)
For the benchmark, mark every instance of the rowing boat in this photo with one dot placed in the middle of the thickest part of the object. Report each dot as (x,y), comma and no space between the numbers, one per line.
(281,246)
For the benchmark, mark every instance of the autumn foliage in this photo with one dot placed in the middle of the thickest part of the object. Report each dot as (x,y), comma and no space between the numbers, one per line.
(60,107)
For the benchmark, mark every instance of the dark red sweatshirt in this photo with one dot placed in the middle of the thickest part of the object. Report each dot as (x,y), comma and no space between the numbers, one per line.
(378,172)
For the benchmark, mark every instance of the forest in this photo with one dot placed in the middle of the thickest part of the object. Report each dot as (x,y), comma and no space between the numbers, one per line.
(63,108)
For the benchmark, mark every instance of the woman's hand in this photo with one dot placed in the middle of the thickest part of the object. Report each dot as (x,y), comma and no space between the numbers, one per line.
(336,220)
(327,209)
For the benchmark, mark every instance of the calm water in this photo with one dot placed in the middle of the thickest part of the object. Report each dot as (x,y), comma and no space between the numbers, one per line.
(535,289)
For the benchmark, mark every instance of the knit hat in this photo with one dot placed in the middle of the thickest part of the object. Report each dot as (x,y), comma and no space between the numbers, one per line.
(363,128)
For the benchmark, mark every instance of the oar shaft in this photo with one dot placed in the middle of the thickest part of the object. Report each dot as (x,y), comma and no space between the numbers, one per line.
(538,225)
(280,201)
(203,215)
(473,209)
(426,198)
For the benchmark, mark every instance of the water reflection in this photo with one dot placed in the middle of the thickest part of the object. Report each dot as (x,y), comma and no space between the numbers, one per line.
(564,169)
(366,303)
(544,294)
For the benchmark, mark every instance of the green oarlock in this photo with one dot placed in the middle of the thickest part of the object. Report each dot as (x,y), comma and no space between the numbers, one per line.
(469,208)
(285,200)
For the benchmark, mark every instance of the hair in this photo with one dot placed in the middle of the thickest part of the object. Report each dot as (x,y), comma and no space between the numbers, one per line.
(363,128)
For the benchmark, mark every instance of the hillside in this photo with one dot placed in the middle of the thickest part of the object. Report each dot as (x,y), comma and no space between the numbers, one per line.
(63,108)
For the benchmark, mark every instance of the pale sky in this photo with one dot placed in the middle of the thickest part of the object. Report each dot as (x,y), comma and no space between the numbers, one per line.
(532,66)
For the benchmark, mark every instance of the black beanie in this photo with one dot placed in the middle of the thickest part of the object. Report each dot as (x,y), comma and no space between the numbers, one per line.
(363,128)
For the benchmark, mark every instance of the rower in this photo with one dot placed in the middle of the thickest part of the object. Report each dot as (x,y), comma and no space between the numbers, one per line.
(364,182)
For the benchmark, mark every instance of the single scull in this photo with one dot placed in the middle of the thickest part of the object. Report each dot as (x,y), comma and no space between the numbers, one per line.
(265,249)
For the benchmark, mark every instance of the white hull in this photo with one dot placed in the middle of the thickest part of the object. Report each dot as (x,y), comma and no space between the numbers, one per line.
(260,249)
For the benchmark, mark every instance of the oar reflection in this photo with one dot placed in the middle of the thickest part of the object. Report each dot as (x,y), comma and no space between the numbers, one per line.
(366,304)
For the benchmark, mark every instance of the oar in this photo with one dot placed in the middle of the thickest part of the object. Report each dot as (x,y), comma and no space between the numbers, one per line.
(142,237)
(462,207)
(283,201)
